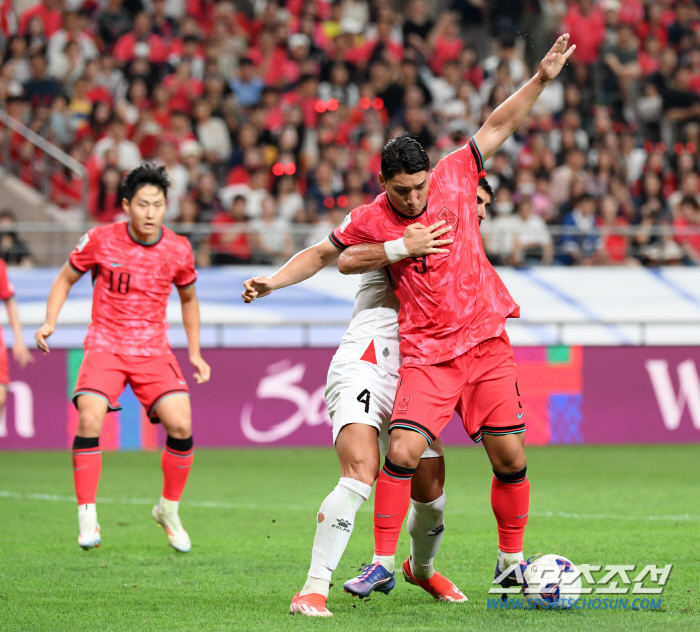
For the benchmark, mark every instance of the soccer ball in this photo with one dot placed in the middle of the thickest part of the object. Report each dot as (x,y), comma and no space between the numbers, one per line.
(551,581)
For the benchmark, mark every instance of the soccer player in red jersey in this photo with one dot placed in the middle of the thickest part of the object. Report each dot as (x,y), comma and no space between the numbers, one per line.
(456,353)
(133,266)
(19,349)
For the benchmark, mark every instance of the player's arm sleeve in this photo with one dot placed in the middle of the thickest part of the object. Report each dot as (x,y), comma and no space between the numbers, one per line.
(7,291)
(465,162)
(353,230)
(84,256)
(187,274)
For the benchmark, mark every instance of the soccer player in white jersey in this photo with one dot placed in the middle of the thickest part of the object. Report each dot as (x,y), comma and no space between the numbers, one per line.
(360,391)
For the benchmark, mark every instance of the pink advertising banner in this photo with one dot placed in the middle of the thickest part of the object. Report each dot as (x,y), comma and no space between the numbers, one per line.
(275,397)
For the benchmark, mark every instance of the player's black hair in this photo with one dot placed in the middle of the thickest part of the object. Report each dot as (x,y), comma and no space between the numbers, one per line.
(143,175)
(484,184)
(403,154)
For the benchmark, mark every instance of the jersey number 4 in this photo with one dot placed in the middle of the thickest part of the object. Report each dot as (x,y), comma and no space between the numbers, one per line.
(363,398)
(121,283)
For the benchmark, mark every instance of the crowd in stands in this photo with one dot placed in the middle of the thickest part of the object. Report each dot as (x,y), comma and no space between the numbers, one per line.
(270,115)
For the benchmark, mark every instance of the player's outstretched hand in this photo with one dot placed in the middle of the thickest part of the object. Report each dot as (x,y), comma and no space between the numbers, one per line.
(421,240)
(555,59)
(202,369)
(257,288)
(41,334)
(21,354)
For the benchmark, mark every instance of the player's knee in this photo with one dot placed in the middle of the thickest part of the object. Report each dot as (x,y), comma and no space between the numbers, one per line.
(403,455)
(89,422)
(179,428)
(360,469)
(509,462)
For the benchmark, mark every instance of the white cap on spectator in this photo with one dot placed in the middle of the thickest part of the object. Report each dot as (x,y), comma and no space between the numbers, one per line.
(350,25)
(190,148)
(299,39)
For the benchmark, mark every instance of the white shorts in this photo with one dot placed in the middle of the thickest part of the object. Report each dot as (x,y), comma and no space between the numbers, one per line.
(359,392)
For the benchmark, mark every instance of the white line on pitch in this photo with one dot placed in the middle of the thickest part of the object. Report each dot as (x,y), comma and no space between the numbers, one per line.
(252,506)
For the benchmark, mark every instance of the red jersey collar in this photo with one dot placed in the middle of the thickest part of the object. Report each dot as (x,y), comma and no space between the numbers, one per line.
(144,243)
(400,214)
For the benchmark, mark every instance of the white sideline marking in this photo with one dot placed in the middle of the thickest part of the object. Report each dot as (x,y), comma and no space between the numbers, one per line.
(252,506)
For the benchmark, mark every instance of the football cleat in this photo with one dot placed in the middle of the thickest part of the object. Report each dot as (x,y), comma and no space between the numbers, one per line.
(511,579)
(170,521)
(312,605)
(373,577)
(89,536)
(441,588)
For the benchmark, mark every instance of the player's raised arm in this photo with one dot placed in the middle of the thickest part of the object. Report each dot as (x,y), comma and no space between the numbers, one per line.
(190,320)
(506,118)
(300,267)
(417,240)
(65,280)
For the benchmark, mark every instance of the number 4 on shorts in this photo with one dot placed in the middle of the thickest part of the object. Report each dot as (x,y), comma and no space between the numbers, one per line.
(363,398)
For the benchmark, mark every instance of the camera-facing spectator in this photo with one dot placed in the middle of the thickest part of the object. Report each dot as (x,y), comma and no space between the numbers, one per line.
(231,243)
(13,250)
(580,243)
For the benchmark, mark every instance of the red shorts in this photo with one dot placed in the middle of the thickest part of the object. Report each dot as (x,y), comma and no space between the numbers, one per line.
(4,366)
(481,385)
(151,378)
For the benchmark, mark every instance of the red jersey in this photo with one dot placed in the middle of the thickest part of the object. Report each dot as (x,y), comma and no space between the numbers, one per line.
(449,302)
(132,281)
(6,291)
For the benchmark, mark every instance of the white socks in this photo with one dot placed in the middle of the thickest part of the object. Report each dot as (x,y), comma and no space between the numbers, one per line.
(168,506)
(387,561)
(426,525)
(87,517)
(508,559)
(336,519)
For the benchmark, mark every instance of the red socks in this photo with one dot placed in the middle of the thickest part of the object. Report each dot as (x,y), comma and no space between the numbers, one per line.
(391,501)
(176,462)
(87,466)
(510,501)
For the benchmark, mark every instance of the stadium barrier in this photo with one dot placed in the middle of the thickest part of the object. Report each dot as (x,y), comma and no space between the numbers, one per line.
(570,395)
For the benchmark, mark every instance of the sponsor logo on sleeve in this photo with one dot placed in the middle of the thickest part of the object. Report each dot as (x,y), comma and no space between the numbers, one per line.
(83,242)
(346,222)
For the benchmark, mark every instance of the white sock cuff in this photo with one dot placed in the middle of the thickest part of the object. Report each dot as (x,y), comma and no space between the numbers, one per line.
(437,505)
(360,488)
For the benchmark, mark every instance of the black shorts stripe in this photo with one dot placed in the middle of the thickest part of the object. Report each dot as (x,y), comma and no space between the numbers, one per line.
(415,424)
(336,242)
(87,391)
(161,396)
(476,154)
(501,428)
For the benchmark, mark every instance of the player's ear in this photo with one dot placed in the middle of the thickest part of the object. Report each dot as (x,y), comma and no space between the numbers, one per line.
(125,205)
(382,181)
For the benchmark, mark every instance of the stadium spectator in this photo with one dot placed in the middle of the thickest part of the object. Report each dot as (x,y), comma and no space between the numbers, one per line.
(273,242)
(533,243)
(13,250)
(127,151)
(689,217)
(40,89)
(231,243)
(579,245)
(47,12)
(614,246)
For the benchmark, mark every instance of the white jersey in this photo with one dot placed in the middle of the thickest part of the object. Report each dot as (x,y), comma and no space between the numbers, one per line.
(373,334)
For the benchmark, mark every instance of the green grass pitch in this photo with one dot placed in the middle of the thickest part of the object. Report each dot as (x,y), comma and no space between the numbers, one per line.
(251,516)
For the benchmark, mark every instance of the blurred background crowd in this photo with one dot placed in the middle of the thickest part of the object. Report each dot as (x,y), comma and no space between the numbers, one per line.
(270,116)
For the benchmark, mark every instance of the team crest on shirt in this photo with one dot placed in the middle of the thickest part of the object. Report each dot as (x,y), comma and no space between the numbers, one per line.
(448,216)
(385,353)
(346,222)
(402,406)
(164,271)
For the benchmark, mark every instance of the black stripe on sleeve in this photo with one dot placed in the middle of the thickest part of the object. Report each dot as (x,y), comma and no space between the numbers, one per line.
(336,242)
(477,155)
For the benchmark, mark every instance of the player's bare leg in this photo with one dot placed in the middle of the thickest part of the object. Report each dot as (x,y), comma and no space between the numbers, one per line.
(426,526)
(358,453)
(87,466)
(175,414)
(510,496)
